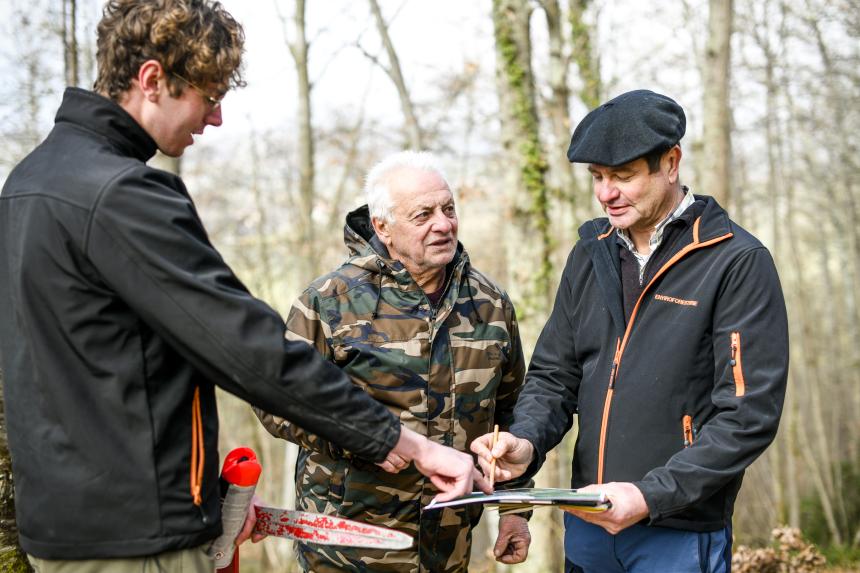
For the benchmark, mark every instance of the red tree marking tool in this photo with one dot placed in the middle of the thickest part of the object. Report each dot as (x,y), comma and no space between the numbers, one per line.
(239,477)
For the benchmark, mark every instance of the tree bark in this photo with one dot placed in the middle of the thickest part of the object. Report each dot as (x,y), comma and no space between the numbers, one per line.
(521,131)
(716,172)
(584,54)
(557,108)
(521,140)
(70,42)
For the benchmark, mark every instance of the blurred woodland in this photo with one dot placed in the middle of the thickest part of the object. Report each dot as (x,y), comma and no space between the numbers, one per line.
(771,90)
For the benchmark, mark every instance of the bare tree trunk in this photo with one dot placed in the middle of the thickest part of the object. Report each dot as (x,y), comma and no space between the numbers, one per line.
(11,556)
(559,115)
(791,456)
(521,129)
(716,174)
(267,282)
(584,54)
(353,137)
(70,42)
(299,48)
(522,145)
(413,129)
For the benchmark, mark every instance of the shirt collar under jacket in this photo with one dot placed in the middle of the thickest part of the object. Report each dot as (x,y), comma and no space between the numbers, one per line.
(657,235)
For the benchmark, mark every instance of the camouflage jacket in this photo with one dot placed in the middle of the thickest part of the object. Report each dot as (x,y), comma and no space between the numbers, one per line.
(448,372)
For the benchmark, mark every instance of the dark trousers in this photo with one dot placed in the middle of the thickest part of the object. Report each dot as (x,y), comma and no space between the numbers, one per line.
(640,549)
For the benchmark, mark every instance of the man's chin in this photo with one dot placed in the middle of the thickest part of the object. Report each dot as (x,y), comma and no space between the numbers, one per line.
(620,222)
(172,153)
(442,259)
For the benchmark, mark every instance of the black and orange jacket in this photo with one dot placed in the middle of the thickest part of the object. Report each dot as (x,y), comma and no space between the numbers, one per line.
(118,318)
(684,395)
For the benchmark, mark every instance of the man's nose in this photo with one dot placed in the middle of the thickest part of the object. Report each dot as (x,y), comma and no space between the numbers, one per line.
(214,117)
(605,190)
(442,223)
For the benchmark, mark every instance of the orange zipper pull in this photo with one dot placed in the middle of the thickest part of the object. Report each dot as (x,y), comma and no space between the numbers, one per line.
(737,368)
(615,361)
(688,431)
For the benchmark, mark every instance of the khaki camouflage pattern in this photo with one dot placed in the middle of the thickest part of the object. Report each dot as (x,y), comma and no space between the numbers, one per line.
(448,373)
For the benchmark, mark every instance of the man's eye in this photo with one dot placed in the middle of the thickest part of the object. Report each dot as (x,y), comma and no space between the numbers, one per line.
(449,210)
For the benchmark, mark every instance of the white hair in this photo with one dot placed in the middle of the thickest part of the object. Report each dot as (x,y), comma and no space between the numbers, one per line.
(377,184)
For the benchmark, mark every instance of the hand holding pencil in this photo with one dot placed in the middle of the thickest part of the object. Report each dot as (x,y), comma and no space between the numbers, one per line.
(502,456)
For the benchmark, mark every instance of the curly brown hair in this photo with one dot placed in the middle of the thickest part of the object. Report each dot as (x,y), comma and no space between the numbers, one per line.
(195,39)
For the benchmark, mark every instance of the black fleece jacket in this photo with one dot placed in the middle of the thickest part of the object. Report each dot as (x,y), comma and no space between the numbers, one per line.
(114,308)
(681,398)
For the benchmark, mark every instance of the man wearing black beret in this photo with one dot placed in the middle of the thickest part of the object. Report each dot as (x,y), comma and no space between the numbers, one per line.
(669,339)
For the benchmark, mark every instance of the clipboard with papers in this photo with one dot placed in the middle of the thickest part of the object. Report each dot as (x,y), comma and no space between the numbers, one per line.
(527,499)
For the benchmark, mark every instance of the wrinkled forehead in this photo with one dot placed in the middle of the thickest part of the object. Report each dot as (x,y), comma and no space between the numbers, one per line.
(410,186)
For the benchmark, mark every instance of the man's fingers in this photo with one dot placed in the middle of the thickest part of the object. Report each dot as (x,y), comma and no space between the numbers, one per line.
(393,463)
(247,527)
(481,482)
(257,537)
(503,446)
(449,488)
(512,545)
(247,531)
(481,447)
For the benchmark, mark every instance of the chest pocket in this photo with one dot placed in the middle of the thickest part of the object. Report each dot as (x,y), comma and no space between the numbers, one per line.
(391,367)
(479,354)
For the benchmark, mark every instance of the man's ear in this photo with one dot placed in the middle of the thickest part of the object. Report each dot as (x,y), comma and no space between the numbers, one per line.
(151,80)
(382,230)
(672,162)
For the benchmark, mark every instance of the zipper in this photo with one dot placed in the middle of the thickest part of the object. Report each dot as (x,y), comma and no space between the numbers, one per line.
(621,345)
(737,368)
(688,431)
(607,403)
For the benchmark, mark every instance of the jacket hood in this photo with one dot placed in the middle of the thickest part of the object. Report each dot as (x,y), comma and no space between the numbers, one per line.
(368,252)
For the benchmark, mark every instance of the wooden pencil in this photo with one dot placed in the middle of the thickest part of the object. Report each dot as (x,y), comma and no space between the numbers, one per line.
(493,464)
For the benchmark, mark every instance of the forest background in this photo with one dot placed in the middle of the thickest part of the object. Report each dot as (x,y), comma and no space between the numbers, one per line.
(494,87)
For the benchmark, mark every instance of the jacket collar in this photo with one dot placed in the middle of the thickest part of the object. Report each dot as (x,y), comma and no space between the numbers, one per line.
(368,253)
(714,223)
(106,118)
(596,238)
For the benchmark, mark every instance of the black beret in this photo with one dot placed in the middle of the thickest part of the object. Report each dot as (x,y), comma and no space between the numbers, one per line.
(626,128)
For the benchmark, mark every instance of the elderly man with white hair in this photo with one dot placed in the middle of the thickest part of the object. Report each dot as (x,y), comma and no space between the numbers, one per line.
(421,331)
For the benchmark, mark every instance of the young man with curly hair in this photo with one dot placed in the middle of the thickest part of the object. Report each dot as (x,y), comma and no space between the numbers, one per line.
(118,318)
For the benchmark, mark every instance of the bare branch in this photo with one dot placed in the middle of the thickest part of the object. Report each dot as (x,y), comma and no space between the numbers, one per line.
(394,72)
